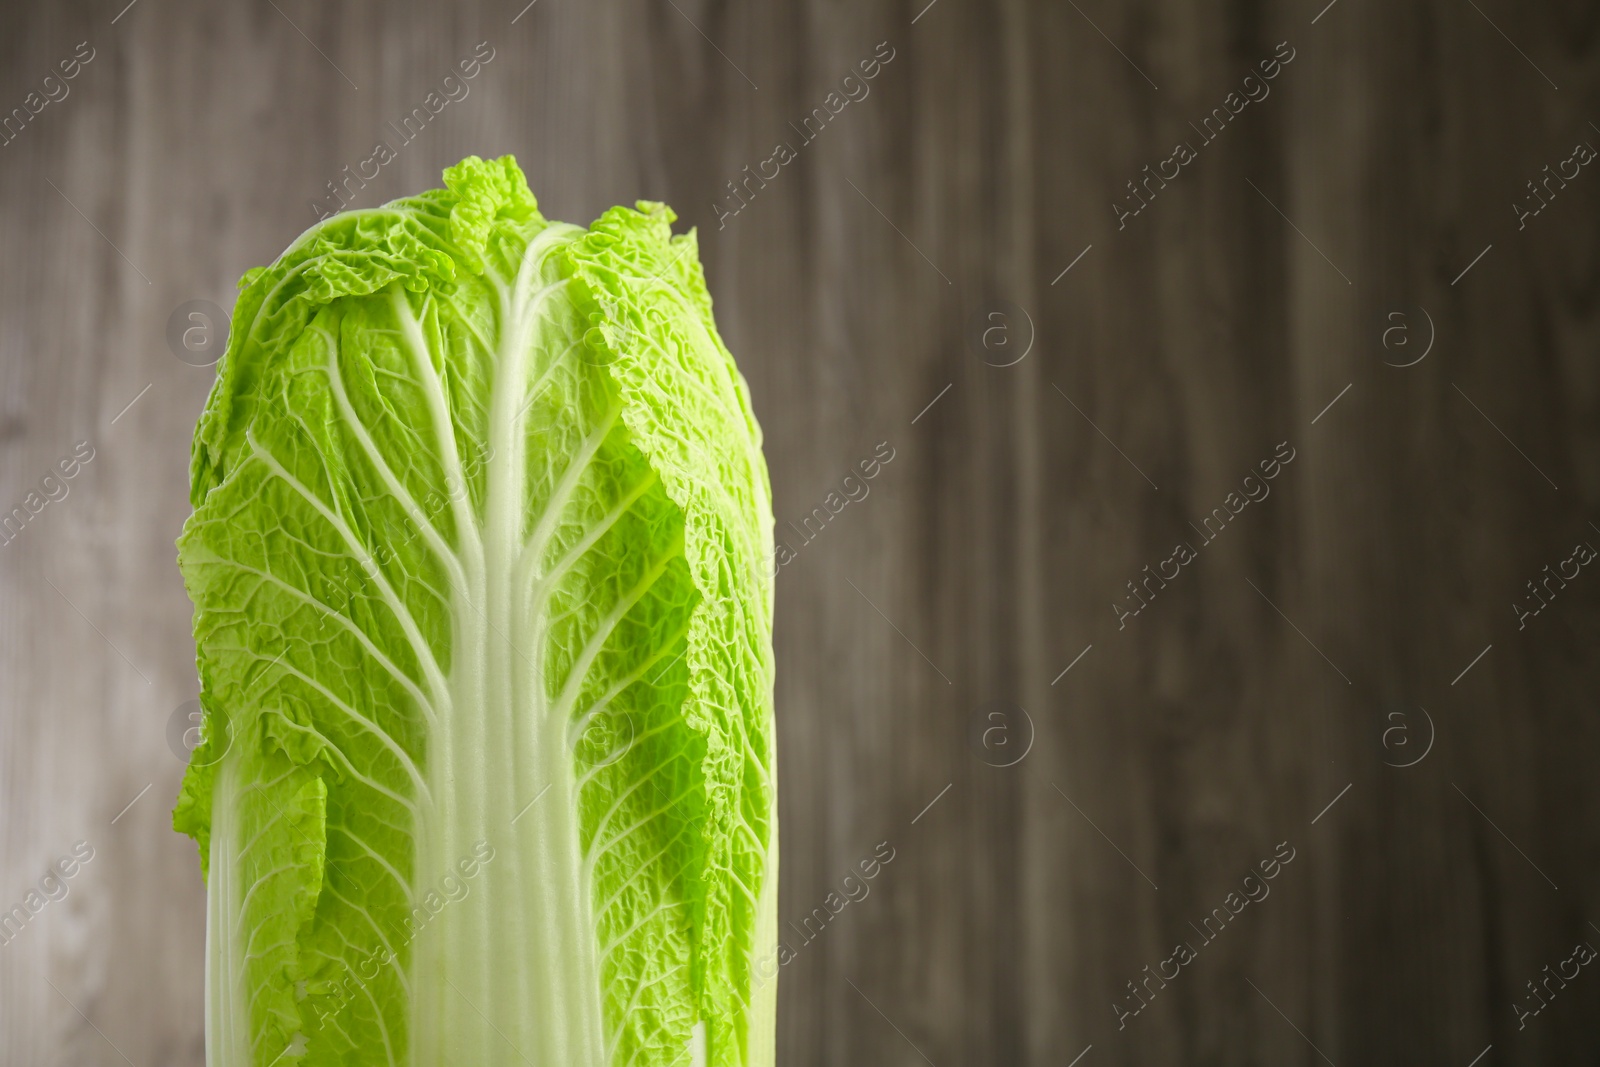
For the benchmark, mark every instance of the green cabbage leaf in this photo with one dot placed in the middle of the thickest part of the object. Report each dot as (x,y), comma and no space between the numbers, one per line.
(481,565)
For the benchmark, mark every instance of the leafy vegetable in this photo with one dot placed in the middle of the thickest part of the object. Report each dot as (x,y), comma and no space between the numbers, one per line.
(480,564)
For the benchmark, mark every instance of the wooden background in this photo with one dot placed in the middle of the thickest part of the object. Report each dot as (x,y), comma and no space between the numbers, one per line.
(1174,355)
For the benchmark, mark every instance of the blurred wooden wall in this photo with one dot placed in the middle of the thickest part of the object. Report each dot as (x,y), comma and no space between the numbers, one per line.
(1371,591)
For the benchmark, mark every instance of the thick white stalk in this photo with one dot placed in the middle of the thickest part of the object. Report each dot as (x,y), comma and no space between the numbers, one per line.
(507,974)
(227,1010)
